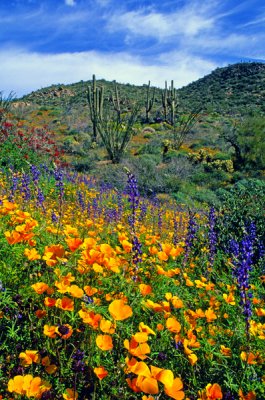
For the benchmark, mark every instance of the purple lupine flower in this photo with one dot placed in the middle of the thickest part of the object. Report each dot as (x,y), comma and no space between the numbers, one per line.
(243,261)
(120,205)
(40,199)
(55,218)
(35,173)
(175,232)
(58,175)
(81,200)
(212,235)
(143,208)
(159,219)
(14,186)
(191,232)
(25,189)
(78,364)
(133,198)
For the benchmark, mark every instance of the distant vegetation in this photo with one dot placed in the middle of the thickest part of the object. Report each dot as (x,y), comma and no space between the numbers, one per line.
(187,143)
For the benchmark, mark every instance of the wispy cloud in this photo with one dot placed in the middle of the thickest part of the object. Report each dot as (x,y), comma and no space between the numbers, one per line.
(39,70)
(70,3)
(187,21)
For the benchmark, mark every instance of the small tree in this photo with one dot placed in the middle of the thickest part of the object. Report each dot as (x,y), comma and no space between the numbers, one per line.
(246,137)
(183,125)
(116,131)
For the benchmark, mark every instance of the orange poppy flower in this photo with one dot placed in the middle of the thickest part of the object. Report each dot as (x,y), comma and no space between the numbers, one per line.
(106,326)
(28,357)
(175,391)
(40,287)
(127,246)
(213,391)
(164,376)
(75,291)
(49,302)
(70,394)
(52,254)
(145,328)
(90,291)
(40,314)
(145,289)
(73,243)
(104,342)
(162,256)
(226,351)
(65,304)
(210,315)
(89,317)
(50,331)
(147,385)
(28,386)
(229,298)
(32,254)
(136,349)
(101,372)
(119,310)
(132,385)
(173,325)
(249,396)
(249,358)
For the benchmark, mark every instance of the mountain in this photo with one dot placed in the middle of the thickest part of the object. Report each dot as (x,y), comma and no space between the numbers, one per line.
(236,88)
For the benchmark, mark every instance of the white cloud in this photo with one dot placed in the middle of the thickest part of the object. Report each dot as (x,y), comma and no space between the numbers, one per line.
(189,21)
(23,72)
(70,3)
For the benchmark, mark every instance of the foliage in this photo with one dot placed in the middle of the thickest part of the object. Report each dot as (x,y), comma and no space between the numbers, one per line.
(240,205)
(22,145)
(116,132)
(108,295)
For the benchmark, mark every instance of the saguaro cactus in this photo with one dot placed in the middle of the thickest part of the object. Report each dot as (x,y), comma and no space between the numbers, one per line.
(116,102)
(149,102)
(169,99)
(95,101)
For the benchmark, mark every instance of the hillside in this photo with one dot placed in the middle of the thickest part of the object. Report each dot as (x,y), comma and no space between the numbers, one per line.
(224,145)
(234,88)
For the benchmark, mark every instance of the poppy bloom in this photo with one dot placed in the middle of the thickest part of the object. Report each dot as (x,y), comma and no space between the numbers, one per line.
(173,325)
(32,254)
(119,310)
(104,342)
(28,357)
(65,304)
(107,326)
(175,390)
(70,394)
(50,331)
(101,372)
(211,392)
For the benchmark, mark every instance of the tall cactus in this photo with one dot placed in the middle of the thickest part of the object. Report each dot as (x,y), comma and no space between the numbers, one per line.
(116,102)
(169,99)
(164,101)
(95,97)
(149,102)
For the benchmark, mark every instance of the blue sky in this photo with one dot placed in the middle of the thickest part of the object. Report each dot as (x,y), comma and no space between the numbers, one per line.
(45,42)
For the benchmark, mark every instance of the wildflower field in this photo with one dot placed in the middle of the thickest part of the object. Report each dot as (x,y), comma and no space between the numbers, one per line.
(107,295)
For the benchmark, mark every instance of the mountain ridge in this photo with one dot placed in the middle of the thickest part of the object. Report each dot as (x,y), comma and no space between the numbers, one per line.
(225,89)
